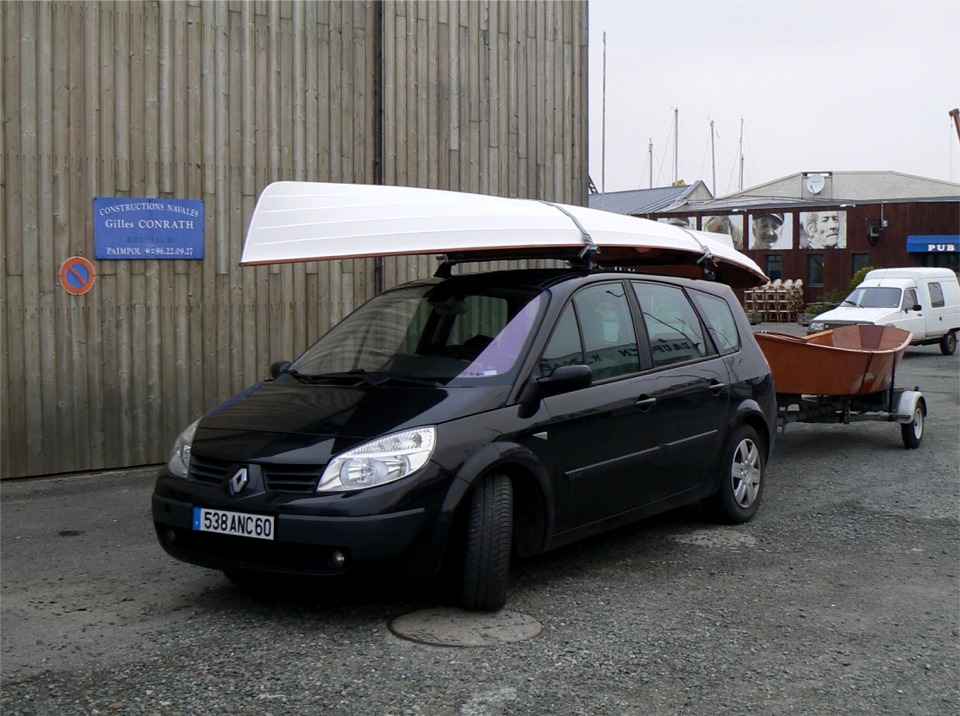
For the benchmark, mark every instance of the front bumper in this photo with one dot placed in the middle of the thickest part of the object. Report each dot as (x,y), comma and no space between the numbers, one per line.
(403,543)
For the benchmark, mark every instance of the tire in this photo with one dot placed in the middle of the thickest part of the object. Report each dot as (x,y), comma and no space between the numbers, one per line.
(948,344)
(489,541)
(912,432)
(741,478)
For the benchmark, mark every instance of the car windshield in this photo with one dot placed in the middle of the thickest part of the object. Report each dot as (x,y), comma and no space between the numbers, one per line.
(873,297)
(442,333)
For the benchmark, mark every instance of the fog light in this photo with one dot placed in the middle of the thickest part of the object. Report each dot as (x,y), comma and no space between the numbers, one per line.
(170,536)
(338,560)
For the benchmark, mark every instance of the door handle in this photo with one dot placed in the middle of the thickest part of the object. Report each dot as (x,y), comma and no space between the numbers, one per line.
(645,403)
(717,388)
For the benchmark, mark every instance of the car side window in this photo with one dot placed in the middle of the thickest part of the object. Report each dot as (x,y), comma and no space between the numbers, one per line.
(721,324)
(595,329)
(936,296)
(673,327)
(910,299)
(564,347)
(606,325)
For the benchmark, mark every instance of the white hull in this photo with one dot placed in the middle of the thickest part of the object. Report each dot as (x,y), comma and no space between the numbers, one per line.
(306,221)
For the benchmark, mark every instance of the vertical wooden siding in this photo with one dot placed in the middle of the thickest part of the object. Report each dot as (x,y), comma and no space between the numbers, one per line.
(212,101)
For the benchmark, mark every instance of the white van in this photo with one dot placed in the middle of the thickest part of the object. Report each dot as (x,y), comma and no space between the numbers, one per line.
(924,301)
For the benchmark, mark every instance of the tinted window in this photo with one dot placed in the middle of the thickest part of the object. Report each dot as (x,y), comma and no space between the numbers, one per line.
(606,326)
(720,322)
(672,325)
(564,347)
(936,295)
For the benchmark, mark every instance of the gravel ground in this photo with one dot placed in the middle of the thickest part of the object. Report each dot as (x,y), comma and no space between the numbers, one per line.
(841,596)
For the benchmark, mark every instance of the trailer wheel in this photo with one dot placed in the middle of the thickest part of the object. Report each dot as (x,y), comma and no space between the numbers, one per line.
(489,541)
(912,432)
(948,344)
(741,478)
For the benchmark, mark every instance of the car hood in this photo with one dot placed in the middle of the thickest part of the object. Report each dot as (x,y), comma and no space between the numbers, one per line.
(854,314)
(283,417)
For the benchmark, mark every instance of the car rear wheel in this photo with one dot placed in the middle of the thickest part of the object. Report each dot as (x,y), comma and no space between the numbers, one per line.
(741,478)
(948,344)
(489,540)
(912,432)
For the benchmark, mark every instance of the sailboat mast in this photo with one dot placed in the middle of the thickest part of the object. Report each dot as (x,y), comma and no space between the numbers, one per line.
(650,156)
(713,158)
(740,150)
(676,145)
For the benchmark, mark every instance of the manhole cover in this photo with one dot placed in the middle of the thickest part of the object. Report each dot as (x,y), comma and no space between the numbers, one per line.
(457,627)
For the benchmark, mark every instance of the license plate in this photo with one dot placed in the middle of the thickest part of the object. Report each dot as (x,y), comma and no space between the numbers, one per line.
(233,523)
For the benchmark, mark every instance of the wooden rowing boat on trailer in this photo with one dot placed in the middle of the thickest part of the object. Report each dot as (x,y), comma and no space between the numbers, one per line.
(849,360)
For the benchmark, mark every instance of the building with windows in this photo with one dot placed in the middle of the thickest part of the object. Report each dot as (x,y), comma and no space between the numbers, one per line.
(822,227)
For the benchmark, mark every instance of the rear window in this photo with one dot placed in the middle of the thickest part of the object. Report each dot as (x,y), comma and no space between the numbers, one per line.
(721,324)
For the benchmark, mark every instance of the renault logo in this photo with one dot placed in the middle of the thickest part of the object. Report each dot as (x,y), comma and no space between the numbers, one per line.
(238,481)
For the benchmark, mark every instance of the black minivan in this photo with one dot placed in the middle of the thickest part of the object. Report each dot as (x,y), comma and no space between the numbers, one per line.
(464,420)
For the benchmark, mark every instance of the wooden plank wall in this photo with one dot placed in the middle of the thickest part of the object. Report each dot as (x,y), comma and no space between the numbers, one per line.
(212,101)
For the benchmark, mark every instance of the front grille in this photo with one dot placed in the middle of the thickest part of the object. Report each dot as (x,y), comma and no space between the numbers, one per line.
(300,479)
(295,479)
(207,471)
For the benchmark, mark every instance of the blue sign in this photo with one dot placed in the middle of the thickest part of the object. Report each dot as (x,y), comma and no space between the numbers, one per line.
(933,244)
(147,228)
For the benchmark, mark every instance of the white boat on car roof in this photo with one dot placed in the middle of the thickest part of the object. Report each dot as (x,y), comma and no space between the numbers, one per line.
(310,221)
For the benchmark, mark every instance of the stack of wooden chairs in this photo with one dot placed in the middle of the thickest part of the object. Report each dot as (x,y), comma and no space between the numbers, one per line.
(776,301)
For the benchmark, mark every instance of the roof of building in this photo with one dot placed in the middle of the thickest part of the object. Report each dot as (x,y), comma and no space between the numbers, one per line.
(645,201)
(850,186)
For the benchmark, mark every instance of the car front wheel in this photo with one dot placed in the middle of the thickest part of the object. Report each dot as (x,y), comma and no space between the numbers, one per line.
(741,478)
(489,541)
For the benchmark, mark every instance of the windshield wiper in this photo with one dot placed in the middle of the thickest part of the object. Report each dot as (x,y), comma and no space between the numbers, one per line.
(852,303)
(356,377)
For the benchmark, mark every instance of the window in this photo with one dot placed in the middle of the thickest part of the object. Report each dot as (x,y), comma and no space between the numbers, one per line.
(606,325)
(774,266)
(720,322)
(857,262)
(815,270)
(564,347)
(910,299)
(673,327)
(936,295)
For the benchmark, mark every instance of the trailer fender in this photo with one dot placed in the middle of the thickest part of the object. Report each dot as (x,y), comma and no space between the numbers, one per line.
(907,403)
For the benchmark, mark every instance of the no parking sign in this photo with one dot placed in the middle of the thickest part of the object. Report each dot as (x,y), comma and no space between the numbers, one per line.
(77,275)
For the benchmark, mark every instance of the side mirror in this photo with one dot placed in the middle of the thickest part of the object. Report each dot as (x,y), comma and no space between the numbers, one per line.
(564,379)
(279,368)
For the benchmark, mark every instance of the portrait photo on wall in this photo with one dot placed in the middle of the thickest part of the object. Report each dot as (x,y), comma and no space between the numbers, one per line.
(771,230)
(826,229)
(730,225)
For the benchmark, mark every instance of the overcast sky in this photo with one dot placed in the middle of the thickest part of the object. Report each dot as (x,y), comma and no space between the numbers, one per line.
(820,86)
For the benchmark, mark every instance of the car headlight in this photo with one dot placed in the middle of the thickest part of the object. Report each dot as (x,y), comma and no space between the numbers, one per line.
(816,326)
(179,461)
(379,461)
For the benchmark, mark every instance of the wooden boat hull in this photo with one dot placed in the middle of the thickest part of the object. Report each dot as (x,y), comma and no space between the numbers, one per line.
(850,360)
